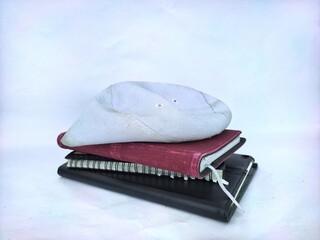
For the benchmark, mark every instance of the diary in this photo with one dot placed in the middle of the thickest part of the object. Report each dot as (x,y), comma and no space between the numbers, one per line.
(191,158)
(204,198)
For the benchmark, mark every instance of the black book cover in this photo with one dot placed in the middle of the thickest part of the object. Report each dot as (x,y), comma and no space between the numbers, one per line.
(196,196)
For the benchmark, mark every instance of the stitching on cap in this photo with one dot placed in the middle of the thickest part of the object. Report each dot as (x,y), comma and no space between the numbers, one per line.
(213,105)
(152,130)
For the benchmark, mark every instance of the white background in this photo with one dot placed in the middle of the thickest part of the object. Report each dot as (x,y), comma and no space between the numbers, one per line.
(260,57)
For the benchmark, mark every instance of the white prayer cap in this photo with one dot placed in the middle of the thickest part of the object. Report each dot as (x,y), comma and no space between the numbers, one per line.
(148,112)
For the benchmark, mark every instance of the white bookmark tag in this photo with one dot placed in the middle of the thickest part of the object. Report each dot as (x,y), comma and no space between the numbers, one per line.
(220,182)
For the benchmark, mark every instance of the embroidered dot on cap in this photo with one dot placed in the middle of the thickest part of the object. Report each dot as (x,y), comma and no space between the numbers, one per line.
(148,112)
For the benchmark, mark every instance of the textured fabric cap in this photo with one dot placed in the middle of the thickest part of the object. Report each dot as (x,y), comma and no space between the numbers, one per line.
(148,112)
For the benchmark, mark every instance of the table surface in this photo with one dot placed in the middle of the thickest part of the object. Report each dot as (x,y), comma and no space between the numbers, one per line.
(260,58)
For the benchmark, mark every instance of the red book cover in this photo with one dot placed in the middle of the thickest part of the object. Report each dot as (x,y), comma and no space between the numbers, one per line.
(184,157)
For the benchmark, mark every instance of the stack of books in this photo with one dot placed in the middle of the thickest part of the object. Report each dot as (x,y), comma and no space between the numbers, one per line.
(182,175)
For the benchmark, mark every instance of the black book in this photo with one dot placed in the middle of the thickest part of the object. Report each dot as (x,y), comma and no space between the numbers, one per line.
(197,196)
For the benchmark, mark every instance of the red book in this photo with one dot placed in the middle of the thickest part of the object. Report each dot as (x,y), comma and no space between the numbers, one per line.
(189,158)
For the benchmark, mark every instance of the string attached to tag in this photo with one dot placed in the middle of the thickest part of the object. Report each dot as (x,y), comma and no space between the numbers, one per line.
(220,182)
(223,181)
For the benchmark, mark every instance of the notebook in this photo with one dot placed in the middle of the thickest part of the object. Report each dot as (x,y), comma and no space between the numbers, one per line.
(89,161)
(198,197)
(189,158)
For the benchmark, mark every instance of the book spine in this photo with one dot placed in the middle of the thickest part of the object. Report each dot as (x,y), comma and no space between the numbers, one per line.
(133,168)
(158,156)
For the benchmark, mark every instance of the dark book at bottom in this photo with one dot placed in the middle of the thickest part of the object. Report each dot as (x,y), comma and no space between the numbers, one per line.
(197,196)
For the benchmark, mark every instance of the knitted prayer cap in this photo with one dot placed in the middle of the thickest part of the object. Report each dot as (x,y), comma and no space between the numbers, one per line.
(148,112)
